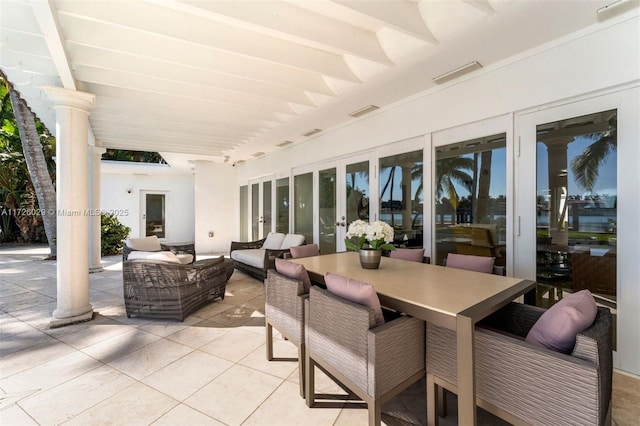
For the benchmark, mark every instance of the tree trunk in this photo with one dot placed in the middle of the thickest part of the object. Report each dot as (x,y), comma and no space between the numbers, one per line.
(484,185)
(37,166)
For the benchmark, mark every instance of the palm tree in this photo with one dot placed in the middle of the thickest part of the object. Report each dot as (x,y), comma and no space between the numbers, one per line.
(36,164)
(585,166)
(451,171)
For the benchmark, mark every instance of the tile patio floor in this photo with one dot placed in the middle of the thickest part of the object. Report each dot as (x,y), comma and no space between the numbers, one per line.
(210,369)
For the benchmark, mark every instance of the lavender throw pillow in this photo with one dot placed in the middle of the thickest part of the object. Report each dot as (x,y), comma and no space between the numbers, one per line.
(357,292)
(304,251)
(470,262)
(412,255)
(557,328)
(294,271)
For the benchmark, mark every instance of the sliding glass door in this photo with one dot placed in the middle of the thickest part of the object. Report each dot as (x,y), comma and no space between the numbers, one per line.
(261,200)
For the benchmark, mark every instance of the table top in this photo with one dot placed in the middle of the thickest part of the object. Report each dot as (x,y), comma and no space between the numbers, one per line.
(431,292)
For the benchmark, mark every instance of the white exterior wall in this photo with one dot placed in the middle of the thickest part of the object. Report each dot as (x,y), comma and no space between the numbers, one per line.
(602,59)
(118,178)
(216,207)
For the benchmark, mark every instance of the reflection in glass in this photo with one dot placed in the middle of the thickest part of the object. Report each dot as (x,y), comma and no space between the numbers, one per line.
(576,207)
(327,201)
(401,197)
(303,206)
(470,198)
(244,213)
(282,205)
(266,208)
(357,183)
(255,212)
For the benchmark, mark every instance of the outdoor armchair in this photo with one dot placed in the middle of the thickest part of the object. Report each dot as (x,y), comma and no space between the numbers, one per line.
(374,362)
(284,311)
(524,383)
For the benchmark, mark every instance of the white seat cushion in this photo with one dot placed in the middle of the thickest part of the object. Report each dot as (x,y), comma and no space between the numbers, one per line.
(157,256)
(273,241)
(251,257)
(292,240)
(144,244)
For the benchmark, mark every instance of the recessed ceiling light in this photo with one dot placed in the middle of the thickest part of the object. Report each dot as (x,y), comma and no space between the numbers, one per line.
(285,143)
(257,154)
(363,111)
(471,66)
(311,132)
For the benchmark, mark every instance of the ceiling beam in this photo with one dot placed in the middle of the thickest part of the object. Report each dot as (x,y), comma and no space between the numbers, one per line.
(44,11)
(288,22)
(402,16)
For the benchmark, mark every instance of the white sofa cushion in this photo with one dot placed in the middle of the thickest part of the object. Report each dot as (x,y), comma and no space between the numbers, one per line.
(251,257)
(292,240)
(185,258)
(273,241)
(157,256)
(144,244)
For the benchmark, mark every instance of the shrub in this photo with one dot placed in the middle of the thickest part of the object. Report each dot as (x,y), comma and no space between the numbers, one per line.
(112,233)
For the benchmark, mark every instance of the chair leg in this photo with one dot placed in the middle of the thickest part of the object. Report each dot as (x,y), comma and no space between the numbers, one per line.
(375,413)
(269,342)
(309,381)
(432,401)
(301,368)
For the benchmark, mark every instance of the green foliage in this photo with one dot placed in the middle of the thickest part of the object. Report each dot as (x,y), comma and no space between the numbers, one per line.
(113,234)
(137,156)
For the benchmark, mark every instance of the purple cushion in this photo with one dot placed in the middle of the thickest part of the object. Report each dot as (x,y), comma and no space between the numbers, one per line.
(470,262)
(413,255)
(304,251)
(557,328)
(293,271)
(357,292)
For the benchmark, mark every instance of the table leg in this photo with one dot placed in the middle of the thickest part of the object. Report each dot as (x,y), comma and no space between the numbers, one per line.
(466,371)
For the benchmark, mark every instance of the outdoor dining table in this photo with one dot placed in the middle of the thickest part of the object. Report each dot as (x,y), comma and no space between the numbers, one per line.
(451,298)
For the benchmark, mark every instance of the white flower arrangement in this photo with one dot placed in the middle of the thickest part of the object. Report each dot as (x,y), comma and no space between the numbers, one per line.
(377,235)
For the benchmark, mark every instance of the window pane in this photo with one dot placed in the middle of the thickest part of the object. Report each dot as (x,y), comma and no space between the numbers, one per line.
(327,201)
(470,198)
(357,182)
(576,203)
(244,213)
(282,205)
(155,215)
(266,208)
(401,197)
(255,211)
(303,208)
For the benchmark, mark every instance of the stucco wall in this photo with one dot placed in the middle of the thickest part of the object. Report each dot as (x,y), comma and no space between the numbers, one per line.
(122,187)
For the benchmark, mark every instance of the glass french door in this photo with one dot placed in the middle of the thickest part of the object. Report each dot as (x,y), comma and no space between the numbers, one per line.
(471,191)
(261,205)
(576,213)
(303,212)
(343,196)
(153,216)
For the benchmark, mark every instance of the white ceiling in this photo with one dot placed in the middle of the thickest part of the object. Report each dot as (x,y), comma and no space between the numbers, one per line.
(232,78)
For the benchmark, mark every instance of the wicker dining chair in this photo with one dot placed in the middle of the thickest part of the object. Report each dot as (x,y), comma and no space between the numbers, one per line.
(375,363)
(284,311)
(410,254)
(523,383)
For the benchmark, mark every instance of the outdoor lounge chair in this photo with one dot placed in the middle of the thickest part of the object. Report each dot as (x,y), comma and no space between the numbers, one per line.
(158,285)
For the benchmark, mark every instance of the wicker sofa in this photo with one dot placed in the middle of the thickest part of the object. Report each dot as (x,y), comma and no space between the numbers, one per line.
(527,384)
(256,257)
(158,286)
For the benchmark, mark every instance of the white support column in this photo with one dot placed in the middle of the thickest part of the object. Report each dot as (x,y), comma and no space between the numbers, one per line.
(72,195)
(95,155)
